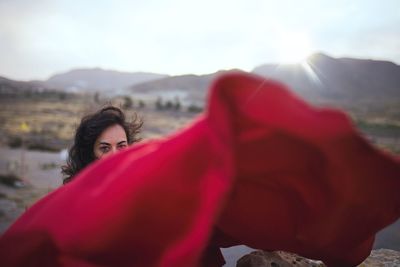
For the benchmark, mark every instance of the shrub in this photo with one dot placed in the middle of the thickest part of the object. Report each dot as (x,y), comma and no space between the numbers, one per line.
(42,147)
(142,104)
(195,109)
(15,142)
(11,180)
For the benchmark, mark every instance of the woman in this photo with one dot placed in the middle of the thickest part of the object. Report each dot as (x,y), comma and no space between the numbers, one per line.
(100,134)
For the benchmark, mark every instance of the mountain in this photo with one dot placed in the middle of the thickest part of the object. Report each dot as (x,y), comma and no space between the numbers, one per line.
(338,79)
(99,80)
(11,87)
(320,78)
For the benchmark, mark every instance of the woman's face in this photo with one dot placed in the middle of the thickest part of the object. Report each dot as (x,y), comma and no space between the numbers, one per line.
(111,140)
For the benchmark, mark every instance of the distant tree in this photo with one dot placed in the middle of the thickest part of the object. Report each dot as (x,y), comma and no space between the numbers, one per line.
(142,104)
(159,103)
(28,94)
(128,103)
(169,105)
(177,104)
(96,97)
(62,96)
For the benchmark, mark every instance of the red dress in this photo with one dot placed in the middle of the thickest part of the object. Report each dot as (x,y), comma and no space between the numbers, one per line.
(260,167)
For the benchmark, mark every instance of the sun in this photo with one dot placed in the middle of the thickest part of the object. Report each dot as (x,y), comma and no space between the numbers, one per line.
(293,48)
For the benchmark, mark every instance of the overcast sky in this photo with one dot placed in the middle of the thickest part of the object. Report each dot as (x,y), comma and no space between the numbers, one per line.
(42,37)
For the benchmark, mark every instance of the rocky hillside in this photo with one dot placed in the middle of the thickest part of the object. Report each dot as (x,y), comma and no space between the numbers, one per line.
(99,80)
(11,87)
(338,78)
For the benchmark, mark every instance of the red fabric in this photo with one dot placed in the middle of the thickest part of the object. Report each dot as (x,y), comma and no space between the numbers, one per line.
(260,167)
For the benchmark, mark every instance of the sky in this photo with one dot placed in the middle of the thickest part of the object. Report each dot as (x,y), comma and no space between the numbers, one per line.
(43,37)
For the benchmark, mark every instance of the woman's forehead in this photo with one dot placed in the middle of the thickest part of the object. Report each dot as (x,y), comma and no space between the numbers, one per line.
(114,133)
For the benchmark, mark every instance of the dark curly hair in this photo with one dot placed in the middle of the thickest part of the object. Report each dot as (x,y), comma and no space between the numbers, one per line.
(81,153)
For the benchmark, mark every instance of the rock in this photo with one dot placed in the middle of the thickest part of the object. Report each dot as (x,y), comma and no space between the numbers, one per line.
(382,257)
(259,258)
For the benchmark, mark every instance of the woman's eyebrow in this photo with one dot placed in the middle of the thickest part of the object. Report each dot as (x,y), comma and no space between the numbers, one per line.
(104,143)
(121,142)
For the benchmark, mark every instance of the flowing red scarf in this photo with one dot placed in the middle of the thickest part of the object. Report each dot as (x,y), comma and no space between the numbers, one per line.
(260,167)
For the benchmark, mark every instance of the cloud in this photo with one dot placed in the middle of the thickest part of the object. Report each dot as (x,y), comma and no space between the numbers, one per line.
(41,37)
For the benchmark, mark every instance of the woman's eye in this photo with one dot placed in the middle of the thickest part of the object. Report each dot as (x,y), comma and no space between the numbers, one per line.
(122,146)
(104,149)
